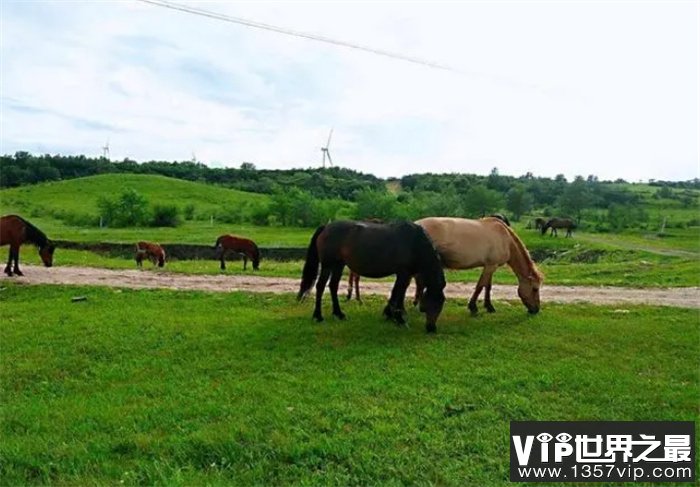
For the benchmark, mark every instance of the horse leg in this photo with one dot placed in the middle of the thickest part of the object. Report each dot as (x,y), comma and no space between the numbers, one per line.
(16,258)
(420,288)
(395,307)
(8,267)
(320,286)
(350,279)
(483,280)
(223,258)
(336,275)
(357,288)
(245,261)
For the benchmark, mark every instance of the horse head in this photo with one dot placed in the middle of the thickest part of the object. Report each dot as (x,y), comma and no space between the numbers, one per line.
(46,253)
(431,304)
(529,291)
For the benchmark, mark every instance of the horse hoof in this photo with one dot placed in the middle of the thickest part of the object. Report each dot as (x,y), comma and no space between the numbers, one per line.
(490,309)
(318,319)
(430,328)
(387,312)
(473,310)
(19,273)
(340,316)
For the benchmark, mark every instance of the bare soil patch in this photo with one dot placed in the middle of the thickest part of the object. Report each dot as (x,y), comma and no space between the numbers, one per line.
(681,297)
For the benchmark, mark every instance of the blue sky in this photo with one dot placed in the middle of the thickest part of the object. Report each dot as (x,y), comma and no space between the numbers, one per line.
(606,88)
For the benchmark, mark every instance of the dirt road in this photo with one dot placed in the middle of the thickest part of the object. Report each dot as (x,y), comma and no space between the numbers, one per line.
(682,297)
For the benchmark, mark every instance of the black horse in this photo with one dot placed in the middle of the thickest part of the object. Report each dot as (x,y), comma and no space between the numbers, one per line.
(375,250)
(555,223)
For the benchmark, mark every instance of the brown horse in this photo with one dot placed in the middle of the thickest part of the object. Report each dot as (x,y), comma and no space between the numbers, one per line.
(14,231)
(487,243)
(375,250)
(150,251)
(226,244)
(555,223)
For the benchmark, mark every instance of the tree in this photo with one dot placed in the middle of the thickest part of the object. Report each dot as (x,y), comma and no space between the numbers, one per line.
(375,204)
(518,201)
(130,209)
(480,201)
(575,198)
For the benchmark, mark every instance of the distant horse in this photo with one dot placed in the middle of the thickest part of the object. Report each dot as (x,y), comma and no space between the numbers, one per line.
(14,231)
(150,251)
(539,223)
(354,278)
(555,223)
(247,248)
(487,243)
(375,250)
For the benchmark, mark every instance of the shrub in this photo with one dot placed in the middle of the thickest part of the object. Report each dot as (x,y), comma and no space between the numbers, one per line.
(188,212)
(129,209)
(165,216)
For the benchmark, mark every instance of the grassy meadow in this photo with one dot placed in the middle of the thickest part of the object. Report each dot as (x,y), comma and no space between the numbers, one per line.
(186,388)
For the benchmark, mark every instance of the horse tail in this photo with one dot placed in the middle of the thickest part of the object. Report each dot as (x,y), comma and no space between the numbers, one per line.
(308,277)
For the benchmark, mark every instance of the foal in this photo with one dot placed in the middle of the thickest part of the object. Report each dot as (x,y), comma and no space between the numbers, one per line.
(150,251)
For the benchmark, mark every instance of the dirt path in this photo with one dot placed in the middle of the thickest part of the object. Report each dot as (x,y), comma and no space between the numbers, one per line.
(688,297)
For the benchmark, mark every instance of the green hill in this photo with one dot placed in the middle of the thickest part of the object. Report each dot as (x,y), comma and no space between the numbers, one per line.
(53,206)
(81,195)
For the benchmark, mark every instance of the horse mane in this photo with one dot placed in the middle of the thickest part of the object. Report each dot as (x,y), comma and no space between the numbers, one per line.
(532,267)
(33,234)
(425,244)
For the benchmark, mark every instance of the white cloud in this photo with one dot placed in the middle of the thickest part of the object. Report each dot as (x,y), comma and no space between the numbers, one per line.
(604,88)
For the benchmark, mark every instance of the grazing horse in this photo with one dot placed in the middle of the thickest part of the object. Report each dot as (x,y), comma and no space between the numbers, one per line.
(14,231)
(487,243)
(539,223)
(555,223)
(375,250)
(247,248)
(151,251)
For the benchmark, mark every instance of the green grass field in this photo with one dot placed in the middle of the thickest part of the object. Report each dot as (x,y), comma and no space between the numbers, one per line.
(181,388)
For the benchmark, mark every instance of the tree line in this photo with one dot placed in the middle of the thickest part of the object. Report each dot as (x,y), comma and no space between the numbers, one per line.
(307,197)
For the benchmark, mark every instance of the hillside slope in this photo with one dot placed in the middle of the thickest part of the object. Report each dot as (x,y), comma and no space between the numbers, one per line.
(81,195)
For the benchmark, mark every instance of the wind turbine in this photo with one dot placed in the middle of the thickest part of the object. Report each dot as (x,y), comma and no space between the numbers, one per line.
(326,152)
(105,150)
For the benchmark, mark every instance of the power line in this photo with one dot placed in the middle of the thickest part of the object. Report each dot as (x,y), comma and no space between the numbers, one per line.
(304,35)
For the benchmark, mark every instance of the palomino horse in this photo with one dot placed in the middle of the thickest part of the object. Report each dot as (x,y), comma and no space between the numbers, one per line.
(247,248)
(150,251)
(487,243)
(375,250)
(555,223)
(14,231)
